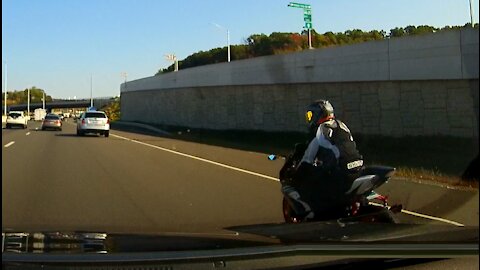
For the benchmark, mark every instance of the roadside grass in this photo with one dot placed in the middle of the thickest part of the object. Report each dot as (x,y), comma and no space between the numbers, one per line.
(425,175)
(427,158)
(440,159)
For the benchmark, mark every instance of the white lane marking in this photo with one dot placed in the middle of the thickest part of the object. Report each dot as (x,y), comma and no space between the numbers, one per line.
(9,144)
(433,218)
(424,216)
(272,178)
(200,159)
(28,133)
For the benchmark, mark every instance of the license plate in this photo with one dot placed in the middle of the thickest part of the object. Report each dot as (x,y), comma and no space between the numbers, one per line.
(355,164)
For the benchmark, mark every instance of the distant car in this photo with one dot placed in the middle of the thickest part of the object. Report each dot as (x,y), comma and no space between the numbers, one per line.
(16,118)
(61,116)
(93,122)
(52,121)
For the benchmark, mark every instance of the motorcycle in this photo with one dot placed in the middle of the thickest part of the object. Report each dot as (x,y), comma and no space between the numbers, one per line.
(360,203)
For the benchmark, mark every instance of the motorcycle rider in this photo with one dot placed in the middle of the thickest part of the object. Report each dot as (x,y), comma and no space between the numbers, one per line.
(329,163)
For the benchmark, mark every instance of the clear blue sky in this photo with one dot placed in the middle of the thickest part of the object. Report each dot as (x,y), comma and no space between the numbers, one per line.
(57,44)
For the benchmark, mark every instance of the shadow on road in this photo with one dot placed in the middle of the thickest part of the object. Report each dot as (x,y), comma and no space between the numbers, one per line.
(280,143)
(75,135)
(66,135)
(441,155)
(13,128)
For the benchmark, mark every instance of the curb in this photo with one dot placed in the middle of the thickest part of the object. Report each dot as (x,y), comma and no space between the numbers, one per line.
(140,125)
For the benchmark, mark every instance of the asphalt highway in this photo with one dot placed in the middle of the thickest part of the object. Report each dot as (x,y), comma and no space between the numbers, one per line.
(132,182)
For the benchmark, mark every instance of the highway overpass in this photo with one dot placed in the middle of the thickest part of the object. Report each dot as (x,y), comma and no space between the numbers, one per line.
(60,103)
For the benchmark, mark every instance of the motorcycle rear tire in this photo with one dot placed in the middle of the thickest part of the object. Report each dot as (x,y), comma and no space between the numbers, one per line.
(288,212)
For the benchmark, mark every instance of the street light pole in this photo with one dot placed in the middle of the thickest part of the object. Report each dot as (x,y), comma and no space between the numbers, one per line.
(228,44)
(91,91)
(471,13)
(28,101)
(43,99)
(124,75)
(310,39)
(173,57)
(5,86)
(228,39)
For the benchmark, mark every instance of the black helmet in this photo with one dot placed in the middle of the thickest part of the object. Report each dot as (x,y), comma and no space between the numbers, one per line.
(318,112)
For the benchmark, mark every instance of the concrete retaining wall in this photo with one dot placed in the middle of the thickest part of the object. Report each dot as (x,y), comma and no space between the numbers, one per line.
(424,85)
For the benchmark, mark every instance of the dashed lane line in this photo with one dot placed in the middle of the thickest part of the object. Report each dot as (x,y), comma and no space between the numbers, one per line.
(9,144)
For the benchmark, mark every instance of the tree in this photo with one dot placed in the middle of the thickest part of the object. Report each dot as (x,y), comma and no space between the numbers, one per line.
(238,52)
(113,109)
(283,42)
(397,32)
(376,35)
(422,29)
(259,45)
(331,38)
(352,36)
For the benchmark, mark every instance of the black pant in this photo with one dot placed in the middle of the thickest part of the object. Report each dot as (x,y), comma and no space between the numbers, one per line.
(324,190)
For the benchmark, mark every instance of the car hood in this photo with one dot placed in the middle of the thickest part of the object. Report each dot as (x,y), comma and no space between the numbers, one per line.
(258,235)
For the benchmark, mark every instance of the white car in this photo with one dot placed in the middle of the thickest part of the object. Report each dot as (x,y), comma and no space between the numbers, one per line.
(16,118)
(93,122)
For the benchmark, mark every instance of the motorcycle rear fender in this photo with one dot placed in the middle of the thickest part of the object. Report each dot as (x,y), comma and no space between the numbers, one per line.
(381,171)
(362,185)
